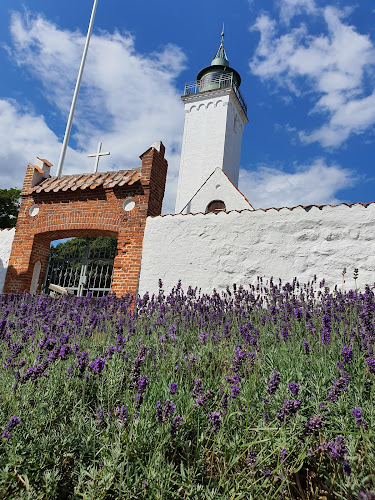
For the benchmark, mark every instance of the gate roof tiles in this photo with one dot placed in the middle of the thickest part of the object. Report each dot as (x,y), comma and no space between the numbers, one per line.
(84,181)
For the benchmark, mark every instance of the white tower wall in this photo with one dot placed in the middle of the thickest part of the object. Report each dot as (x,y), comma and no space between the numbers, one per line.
(214,123)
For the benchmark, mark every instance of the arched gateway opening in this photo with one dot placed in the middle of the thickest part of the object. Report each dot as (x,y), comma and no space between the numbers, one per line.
(81,266)
(110,204)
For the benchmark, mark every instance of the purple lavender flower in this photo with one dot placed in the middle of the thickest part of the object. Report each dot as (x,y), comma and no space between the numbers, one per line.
(110,352)
(97,366)
(337,449)
(53,355)
(65,350)
(357,413)
(99,416)
(239,357)
(294,388)
(163,413)
(198,389)
(215,419)
(370,362)
(290,407)
(284,333)
(202,400)
(13,422)
(251,458)
(136,370)
(233,380)
(298,314)
(172,388)
(83,360)
(203,337)
(273,382)
(347,354)
(346,467)
(326,332)
(224,403)
(122,415)
(283,454)
(340,385)
(314,424)
(159,412)
(175,424)
(143,383)
(368,495)
(359,422)
(236,389)
(306,347)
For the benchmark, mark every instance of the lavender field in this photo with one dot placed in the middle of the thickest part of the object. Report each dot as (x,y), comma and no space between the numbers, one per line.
(256,392)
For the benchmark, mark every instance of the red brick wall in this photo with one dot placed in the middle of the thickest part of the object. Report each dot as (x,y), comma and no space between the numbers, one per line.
(89,212)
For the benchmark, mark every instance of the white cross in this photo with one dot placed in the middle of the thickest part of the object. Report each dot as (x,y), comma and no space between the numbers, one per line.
(97,155)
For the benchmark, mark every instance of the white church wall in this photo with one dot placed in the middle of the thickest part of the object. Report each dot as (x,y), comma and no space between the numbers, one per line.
(216,250)
(6,241)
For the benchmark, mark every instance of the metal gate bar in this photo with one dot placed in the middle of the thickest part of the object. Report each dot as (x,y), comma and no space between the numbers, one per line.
(80,274)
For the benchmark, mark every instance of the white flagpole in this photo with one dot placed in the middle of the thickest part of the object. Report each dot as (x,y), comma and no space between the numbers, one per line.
(75,95)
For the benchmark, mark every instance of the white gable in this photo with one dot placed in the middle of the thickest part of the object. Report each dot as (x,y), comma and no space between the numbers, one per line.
(217,187)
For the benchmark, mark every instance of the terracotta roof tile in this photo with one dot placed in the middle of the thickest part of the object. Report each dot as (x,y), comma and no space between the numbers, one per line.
(113,181)
(84,181)
(37,168)
(48,163)
(53,183)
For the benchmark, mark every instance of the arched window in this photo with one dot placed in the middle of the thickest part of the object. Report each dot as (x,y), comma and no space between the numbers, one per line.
(215,206)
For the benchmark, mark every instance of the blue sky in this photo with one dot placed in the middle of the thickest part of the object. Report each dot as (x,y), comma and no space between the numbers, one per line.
(307,69)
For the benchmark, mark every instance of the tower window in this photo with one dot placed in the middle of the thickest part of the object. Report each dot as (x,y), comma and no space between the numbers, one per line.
(215,206)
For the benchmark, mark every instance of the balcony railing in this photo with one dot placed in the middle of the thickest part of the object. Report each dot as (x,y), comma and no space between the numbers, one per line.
(214,81)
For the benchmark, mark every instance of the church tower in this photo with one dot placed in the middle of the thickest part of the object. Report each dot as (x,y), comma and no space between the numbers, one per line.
(215,116)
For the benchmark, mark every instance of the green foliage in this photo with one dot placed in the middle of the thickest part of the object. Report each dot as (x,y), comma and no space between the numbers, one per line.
(77,246)
(9,206)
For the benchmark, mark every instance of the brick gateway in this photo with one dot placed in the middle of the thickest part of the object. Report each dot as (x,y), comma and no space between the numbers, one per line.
(113,204)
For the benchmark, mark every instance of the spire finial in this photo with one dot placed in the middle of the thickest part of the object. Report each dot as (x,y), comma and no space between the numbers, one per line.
(220,54)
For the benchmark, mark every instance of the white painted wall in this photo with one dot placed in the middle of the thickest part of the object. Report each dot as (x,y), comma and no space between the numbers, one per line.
(217,187)
(216,250)
(6,241)
(214,123)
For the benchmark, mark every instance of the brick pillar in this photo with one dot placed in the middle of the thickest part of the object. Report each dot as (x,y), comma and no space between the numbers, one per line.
(154,176)
(127,263)
(26,251)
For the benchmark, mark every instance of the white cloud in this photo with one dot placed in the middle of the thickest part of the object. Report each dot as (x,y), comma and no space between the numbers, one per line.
(127,100)
(23,135)
(316,184)
(291,8)
(332,66)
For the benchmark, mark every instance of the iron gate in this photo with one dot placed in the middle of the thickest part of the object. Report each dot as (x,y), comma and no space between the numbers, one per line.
(88,269)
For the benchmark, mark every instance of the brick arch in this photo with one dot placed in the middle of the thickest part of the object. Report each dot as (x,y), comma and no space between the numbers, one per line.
(86,205)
